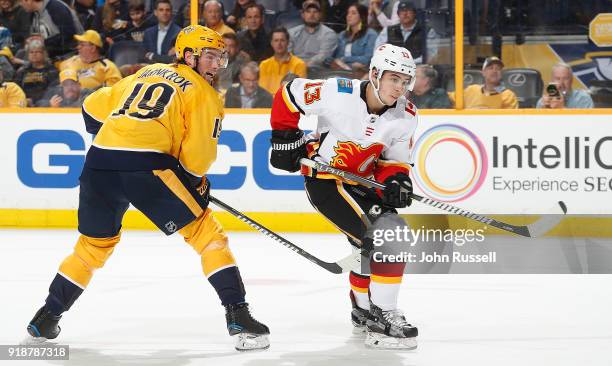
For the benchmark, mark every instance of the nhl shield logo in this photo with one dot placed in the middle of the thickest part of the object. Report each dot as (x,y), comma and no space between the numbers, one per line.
(171,226)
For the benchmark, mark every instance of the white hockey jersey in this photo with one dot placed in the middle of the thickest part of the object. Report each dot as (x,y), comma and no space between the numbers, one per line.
(348,136)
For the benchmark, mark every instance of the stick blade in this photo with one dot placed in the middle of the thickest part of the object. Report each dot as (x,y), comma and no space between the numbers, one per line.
(547,222)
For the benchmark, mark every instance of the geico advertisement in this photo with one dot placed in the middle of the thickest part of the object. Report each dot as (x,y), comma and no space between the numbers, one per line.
(484,163)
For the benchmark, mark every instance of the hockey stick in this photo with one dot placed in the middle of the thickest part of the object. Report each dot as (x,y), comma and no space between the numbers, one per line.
(343,265)
(538,228)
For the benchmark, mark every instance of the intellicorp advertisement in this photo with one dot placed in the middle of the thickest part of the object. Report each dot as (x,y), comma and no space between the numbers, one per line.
(489,164)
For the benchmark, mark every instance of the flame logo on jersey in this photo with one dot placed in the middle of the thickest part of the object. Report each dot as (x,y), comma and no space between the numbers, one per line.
(355,158)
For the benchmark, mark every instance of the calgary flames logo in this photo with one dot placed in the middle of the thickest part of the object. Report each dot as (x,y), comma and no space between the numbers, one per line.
(356,159)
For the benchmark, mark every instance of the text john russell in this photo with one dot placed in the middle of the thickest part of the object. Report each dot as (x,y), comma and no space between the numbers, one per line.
(423,257)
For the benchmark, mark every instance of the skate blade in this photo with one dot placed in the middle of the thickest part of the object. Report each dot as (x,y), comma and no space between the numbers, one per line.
(381,341)
(251,342)
(31,341)
(359,330)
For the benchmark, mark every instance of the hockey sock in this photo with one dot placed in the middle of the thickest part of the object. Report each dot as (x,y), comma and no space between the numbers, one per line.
(63,292)
(228,284)
(359,285)
(385,284)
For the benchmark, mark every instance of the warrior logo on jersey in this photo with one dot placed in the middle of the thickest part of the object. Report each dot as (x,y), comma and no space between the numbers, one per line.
(355,158)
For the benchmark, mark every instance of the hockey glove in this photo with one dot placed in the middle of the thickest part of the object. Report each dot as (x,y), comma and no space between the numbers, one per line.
(397,191)
(288,147)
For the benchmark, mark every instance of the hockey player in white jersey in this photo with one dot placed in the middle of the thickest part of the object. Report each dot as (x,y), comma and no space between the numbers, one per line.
(364,127)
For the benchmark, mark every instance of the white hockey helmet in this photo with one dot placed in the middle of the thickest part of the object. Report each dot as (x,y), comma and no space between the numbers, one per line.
(388,57)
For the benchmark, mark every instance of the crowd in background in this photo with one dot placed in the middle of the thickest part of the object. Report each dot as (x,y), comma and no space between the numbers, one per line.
(53,53)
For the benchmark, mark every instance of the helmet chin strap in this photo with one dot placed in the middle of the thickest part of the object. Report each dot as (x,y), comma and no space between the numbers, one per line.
(377,87)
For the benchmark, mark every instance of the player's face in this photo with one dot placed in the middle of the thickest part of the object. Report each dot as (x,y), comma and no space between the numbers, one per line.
(210,62)
(392,86)
(563,77)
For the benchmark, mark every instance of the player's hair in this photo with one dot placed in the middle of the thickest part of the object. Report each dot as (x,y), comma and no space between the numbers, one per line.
(157,2)
(252,67)
(282,30)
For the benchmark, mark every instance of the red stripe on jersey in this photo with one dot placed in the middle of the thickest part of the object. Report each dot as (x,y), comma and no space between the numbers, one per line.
(282,118)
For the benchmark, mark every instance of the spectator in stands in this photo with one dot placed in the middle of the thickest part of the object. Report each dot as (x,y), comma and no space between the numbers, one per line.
(237,17)
(53,22)
(16,19)
(113,15)
(86,12)
(312,41)
(139,22)
(424,94)
(562,77)
(159,39)
(408,33)
(493,94)
(383,13)
(274,69)
(68,95)
(236,59)
(356,43)
(7,59)
(213,17)
(11,95)
(92,69)
(248,94)
(335,15)
(254,40)
(38,74)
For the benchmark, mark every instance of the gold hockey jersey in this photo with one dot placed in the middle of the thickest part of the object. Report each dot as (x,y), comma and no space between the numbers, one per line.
(163,113)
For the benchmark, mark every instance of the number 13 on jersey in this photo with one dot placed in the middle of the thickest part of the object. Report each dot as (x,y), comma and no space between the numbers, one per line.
(312,92)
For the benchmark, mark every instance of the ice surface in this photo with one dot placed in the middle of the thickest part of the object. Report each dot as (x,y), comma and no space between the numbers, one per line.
(152,305)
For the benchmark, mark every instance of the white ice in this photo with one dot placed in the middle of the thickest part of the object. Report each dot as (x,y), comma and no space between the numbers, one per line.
(151,305)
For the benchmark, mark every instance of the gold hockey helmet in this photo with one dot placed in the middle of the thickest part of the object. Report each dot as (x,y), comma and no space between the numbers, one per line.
(197,39)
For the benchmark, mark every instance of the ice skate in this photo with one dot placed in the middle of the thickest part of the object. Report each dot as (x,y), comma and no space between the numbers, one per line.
(389,330)
(42,327)
(248,332)
(358,316)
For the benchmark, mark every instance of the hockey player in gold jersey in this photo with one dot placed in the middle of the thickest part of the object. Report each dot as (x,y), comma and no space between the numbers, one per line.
(158,133)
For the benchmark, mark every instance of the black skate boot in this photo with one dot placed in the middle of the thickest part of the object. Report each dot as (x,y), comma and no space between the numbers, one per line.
(358,316)
(43,326)
(389,330)
(251,334)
